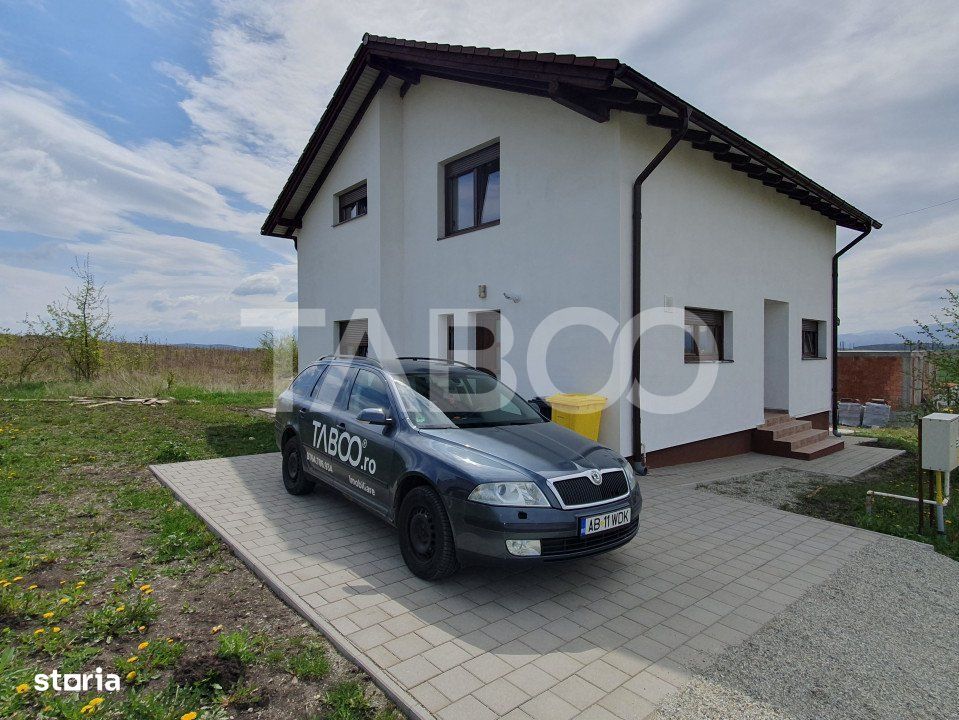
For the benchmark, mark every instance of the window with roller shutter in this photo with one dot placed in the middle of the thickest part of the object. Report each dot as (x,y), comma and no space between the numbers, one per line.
(353,337)
(704,336)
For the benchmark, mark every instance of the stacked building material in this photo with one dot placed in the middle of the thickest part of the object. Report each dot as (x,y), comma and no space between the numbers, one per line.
(850,413)
(876,413)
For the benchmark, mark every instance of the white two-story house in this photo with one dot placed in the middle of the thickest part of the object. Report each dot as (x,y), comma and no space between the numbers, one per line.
(521,210)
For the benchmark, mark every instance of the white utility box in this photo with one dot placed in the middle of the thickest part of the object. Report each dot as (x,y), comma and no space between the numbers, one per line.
(940,442)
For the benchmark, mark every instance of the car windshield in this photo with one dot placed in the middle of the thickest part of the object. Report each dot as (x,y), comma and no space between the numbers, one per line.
(448,397)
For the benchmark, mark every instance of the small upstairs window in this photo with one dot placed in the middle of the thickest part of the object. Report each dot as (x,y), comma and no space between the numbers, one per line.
(704,335)
(352,203)
(812,344)
(472,191)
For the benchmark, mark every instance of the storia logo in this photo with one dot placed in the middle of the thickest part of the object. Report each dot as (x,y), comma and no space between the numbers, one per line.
(77,682)
(345,447)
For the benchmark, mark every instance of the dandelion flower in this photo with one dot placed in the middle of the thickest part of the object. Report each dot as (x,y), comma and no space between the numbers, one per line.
(33,587)
(18,578)
(64,601)
(55,629)
(144,588)
(39,631)
(169,641)
(96,701)
(22,688)
(215,629)
(189,716)
(133,658)
(79,585)
(131,676)
(148,591)
(47,615)
(143,646)
(142,628)
(120,608)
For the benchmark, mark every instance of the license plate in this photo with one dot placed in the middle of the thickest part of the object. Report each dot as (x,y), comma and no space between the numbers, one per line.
(604,522)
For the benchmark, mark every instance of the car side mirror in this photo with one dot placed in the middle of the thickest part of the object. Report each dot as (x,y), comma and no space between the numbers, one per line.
(374,416)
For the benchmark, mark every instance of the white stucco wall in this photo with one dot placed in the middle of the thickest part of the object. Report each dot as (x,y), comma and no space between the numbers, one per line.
(711,238)
(556,244)
(338,266)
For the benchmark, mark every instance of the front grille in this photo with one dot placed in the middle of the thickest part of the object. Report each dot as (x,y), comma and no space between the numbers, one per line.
(580,490)
(562,546)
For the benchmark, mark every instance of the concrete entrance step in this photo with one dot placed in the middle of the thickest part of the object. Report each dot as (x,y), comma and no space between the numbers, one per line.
(785,436)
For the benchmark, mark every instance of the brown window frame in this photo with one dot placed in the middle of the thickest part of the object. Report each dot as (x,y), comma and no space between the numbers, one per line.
(482,163)
(714,321)
(811,328)
(347,199)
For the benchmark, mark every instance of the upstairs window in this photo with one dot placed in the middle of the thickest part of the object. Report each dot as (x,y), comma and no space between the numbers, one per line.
(811,345)
(704,335)
(472,191)
(352,203)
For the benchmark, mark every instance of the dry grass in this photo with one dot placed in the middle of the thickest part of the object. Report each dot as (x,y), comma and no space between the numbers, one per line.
(143,368)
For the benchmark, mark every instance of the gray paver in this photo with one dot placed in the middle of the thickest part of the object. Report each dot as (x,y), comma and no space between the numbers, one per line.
(604,637)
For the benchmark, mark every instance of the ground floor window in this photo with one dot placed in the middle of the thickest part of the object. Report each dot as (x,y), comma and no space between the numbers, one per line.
(813,344)
(704,335)
(353,337)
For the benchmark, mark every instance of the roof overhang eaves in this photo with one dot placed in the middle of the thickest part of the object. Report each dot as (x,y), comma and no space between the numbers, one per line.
(591,86)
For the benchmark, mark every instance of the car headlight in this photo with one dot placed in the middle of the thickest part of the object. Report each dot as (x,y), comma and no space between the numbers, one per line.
(510,494)
(630,473)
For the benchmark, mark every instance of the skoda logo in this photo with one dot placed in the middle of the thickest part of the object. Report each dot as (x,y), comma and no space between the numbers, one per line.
(595,477)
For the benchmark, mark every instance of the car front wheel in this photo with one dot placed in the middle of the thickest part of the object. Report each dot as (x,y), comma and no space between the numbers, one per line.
(426,537)
(294,479)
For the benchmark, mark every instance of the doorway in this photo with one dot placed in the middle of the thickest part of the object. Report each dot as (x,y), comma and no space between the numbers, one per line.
(776,355)
(478,342)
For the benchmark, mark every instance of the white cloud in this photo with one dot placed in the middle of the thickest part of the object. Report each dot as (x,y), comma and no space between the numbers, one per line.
(859,96)
(61,176)
(259,284)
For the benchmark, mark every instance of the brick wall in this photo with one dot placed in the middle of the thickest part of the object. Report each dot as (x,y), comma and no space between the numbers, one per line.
(864,377)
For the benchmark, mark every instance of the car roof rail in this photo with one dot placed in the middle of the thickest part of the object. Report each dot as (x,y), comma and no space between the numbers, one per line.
(439,360)
(351,358)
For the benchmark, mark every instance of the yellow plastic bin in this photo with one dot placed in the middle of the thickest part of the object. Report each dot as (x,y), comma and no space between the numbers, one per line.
(580,413)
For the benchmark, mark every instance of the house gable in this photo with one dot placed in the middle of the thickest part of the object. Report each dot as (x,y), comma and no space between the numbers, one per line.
(590,86)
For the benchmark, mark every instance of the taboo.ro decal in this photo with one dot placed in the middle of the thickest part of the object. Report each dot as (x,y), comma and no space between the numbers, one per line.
(77,682)
(342,445)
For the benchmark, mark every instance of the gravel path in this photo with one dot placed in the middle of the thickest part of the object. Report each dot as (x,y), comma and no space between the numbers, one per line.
(879,640)
(778,488)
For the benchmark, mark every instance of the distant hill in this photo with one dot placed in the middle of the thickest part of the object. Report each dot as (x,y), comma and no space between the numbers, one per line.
(215,346)
(878,339)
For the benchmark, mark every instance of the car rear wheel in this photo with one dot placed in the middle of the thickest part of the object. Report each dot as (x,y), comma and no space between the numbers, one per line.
(426,537)
(294,479)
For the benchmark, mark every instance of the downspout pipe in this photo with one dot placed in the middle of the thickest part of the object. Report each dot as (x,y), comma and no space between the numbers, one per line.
(835,323)
(639,454)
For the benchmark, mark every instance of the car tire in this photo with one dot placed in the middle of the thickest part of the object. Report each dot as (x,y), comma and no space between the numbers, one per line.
(426,536)
(294,478)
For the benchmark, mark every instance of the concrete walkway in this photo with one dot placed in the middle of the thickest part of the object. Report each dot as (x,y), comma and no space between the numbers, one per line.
(604,637)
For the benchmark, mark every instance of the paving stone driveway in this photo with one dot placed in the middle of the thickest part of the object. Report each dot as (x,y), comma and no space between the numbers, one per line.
(603,637)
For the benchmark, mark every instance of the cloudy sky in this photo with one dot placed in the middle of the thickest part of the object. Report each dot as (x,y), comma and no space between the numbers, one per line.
(155,135)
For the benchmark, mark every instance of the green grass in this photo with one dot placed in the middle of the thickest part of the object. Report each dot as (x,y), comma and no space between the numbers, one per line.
(241,645)
(83,520)
(309,662)
(846,503)
(902,438)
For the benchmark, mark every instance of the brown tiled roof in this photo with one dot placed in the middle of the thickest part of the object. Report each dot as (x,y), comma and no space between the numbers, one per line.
(589,85)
